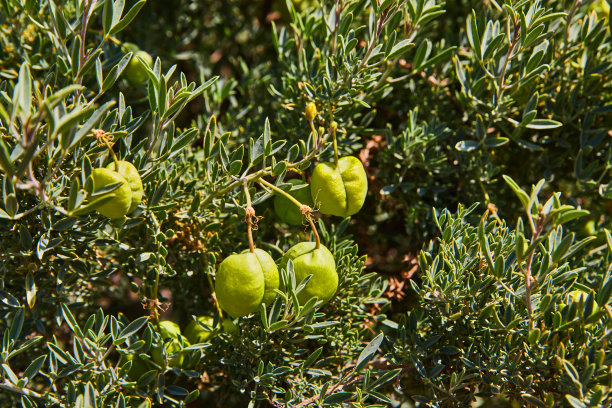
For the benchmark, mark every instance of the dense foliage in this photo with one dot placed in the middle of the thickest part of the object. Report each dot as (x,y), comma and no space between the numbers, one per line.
(478,271)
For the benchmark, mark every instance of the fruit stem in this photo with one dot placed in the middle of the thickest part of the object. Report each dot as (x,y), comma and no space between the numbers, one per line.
(314,135)
(333,128)
(306,210)
(314,230)
(278,190)
(250,213)
(112,152)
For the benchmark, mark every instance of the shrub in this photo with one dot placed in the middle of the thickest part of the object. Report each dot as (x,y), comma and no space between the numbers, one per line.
(217,105)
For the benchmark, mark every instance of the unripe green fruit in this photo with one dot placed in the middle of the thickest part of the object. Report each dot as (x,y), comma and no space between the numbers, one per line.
(339,190)
(601,7)
(129,47)
(229,327)
(168,329)
(246,280)
(135,71)
(139,366)
(196,333)
(320,263)
(119,205)
(575,295)
(285,209)
(130,174)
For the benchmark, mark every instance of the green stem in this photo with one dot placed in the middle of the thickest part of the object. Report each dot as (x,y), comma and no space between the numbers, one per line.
(296,202)
(278,190)
(155,288)
(261,173)
(112,152)
(315,136)
(334,127)
(24,391)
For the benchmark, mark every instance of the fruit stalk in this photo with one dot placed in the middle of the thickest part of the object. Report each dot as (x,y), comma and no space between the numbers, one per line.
(306,210)
(333,128)
(278,190)
(112,152)
(314,230)
(250,213)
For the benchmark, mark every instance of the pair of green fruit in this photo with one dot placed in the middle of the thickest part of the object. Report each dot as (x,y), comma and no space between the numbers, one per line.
(337,189)
(194,334)
(123,199)
(246,280)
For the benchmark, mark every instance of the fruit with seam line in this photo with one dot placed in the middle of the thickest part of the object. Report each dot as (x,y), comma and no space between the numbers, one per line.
(131,175)
(120,197)
(339,190)
(246,280)
(320,263)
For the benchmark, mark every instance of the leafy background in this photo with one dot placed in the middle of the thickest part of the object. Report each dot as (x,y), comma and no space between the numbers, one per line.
(454,303)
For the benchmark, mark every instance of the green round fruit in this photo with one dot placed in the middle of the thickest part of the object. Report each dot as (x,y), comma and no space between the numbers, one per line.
(575,295)
(285,209)
(129,47)
(196,333)
(135,71)
(119,205)
(229,327)
(130,174)
(168,329)
(601,7)
(246,280)
(340,190)
(139,366)
(320,263)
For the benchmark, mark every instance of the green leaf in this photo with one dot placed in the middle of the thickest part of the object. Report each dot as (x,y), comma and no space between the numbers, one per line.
(520,193)
(467,145)
(267,138)
(369,351)
(473,35)
(131,328)
(127,19)
(496,141)
(544,124)
(16,325)
(22,95)
(10,375)
(107,15)
(6,164)
(400,48)
(116,71)
(31,290)
(530,399)
(71,321)
(571,215)
(484,244)
(385,378)
(338,398)
(34,367)
(575,402)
